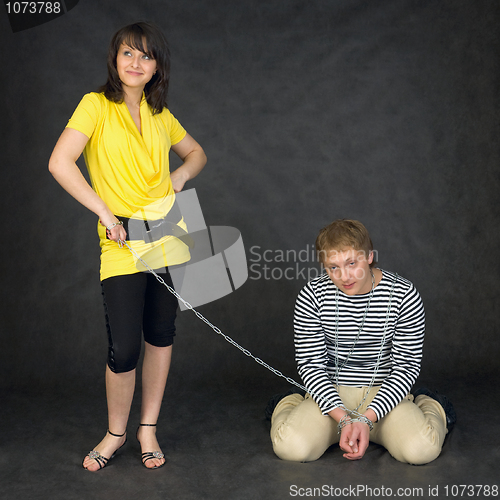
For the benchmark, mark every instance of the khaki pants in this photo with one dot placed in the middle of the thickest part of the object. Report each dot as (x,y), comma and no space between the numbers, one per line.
(413,432)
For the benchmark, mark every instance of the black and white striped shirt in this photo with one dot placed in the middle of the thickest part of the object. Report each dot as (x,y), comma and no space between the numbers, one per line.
(314,324)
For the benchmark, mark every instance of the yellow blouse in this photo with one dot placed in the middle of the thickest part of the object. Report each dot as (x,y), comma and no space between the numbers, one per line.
(130,172)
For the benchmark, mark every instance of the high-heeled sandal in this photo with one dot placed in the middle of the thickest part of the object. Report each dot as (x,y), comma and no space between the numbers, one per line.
(148,455)
(101,460)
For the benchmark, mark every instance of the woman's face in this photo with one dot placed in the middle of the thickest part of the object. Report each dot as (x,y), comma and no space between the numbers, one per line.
(135,68)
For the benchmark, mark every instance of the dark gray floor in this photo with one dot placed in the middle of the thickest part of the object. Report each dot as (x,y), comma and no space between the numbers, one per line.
(217,447)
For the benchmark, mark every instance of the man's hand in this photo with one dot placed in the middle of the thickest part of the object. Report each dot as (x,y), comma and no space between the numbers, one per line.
(354,437)
(354,440)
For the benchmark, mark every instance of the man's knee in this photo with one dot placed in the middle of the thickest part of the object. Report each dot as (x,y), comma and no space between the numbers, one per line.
(293,446)
(294,450)
(418,452)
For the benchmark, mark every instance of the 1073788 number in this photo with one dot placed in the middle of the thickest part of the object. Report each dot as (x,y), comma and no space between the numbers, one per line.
(466,490)
(33,7)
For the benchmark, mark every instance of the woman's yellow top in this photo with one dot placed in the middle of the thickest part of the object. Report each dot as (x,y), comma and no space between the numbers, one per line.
(130,171)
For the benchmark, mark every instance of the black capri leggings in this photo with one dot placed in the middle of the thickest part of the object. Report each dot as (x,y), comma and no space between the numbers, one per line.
(134,304)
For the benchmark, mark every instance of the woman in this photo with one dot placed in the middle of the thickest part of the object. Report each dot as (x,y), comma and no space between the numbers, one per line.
(125,132)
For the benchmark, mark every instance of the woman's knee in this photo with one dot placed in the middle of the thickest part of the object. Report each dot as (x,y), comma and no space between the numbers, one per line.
(120,361)
(160,337)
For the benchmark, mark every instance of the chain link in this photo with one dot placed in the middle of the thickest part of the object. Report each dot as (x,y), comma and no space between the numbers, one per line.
(217,330)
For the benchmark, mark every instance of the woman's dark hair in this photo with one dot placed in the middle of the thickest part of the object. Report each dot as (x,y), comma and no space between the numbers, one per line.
(147,38)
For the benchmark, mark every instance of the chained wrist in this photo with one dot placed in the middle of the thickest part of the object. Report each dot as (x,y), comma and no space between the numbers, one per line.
(347,420)
(343,422)
(365,420)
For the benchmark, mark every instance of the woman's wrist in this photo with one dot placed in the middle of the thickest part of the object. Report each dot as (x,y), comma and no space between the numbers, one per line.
(181,173)
(114,224)
(106,217)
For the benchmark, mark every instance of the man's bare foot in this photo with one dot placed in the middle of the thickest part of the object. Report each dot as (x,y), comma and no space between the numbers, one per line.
(146,435)
(106,448)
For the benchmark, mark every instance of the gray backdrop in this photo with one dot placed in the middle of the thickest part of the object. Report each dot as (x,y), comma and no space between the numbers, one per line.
(381,110)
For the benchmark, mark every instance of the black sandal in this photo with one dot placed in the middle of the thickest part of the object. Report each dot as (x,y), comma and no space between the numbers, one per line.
(101,460)
(148,455)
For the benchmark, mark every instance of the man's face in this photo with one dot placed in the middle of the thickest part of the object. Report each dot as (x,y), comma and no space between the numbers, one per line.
(349,269)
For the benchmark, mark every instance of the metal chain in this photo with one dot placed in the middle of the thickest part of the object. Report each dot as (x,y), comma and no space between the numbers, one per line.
(337,319)
(377,366)
(227,337)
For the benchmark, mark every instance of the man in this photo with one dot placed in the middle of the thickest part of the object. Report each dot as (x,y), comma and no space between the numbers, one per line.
(359,334)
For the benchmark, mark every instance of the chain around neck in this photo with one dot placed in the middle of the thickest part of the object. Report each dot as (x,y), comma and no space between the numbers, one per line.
(365,314)
(337,317)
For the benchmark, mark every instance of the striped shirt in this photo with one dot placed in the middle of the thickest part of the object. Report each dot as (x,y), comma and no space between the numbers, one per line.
(400,353)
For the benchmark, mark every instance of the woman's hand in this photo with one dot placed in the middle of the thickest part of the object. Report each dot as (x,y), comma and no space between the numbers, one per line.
(178,179)
(194,158)
(116,232)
